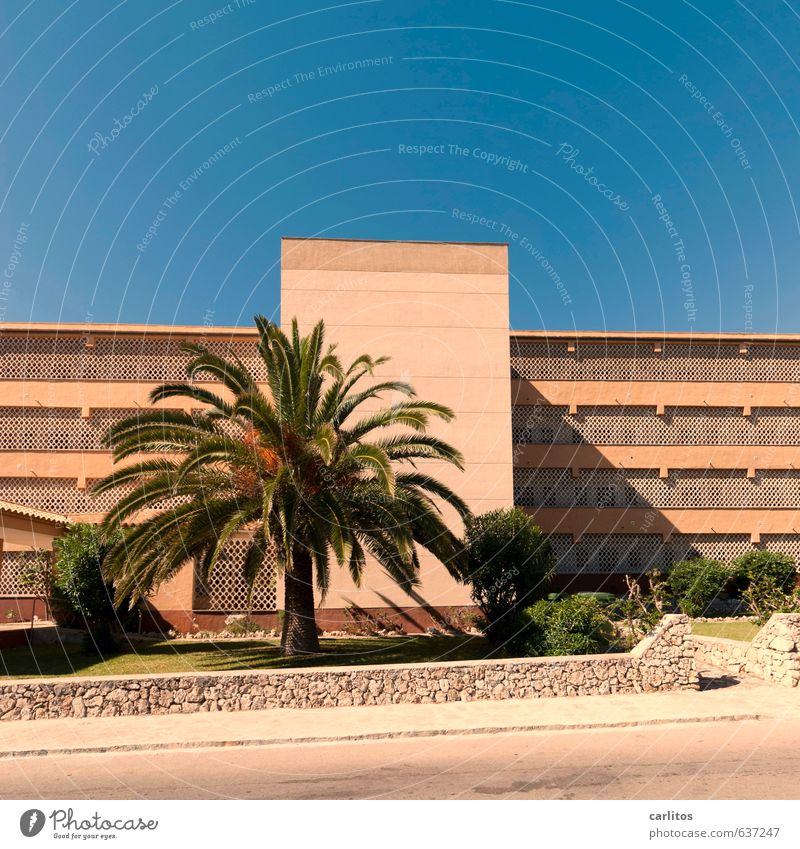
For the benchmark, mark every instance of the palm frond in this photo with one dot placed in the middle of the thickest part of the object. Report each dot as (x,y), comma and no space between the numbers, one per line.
(230,373)
(290,469)
(420,446)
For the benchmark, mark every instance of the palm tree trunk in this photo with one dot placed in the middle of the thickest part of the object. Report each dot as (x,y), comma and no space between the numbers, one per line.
(299,634)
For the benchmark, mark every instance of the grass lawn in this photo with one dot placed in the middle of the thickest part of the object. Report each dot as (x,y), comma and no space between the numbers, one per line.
(196,656)
(727,630)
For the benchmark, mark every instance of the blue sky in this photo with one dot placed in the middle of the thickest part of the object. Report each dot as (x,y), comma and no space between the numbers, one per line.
(641,159)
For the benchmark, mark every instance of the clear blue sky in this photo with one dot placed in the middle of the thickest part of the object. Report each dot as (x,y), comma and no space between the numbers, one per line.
(151,159)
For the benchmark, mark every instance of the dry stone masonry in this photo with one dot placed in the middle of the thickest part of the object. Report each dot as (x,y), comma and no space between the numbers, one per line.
(663,661)
(719,653)
(773,655)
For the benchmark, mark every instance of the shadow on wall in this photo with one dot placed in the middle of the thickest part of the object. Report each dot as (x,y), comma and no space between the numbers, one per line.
(574,474)
(417,618)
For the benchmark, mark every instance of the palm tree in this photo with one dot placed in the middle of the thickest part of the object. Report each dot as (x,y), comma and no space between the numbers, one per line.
(292,468)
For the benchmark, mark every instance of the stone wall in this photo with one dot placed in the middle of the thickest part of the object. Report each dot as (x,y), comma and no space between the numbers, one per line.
(774,653)
(663,661)
(728,655)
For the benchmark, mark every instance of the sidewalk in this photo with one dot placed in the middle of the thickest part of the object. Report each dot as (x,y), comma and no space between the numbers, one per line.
(749,699)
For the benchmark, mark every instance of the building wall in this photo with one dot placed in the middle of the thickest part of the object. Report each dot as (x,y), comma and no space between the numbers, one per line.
(635,450)
(440,311)
(61,386)
(23,538)
(631,450)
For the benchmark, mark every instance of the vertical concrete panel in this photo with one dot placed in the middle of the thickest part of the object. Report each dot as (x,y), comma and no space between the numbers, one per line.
(174,599)
(440,311)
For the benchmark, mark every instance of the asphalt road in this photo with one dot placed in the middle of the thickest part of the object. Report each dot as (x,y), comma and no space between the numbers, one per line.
(724,760)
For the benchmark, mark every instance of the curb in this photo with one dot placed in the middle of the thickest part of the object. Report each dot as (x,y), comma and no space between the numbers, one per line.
(366,737)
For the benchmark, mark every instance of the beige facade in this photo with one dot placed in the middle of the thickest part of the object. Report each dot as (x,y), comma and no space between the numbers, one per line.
(636,450)
(631,450)
(25,533)
(62,386)
(440,311)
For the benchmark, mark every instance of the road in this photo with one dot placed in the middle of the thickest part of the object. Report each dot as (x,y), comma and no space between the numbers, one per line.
(748,759)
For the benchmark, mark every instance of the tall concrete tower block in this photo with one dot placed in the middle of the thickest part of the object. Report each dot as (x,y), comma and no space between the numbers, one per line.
(440,311)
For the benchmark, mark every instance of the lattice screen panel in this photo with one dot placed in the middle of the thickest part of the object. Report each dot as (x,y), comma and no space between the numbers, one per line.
(226,589)
(40,428)
(644,488)
(557,487)
(57,428)
(58,495)
(119,358)
(37,357)
(61,495)
(247,352)
(785,543)
(637,553)
(716,546)
(14,567)
(632,361)
(104,501)
(605,554)
(639,425)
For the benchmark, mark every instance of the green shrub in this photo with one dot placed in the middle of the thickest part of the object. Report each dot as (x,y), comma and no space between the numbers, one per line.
(509,566)
(770,567)
(763,598)
(79,586)
(767,583)
(603,599)
(573,625)
(696,583)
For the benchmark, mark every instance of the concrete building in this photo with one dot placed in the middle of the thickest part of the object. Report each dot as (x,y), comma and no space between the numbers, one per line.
(631,449)
(635,450)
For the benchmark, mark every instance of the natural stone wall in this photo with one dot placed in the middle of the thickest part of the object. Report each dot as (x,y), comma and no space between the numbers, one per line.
(774,653)
(728,655)
(663,661)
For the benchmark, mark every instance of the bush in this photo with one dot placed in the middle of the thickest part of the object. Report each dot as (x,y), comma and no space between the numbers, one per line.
(604,599)
(573,625)
(696,583)
(240,625)
(510,565)
(770,567)
(641,611)
(460,619)
(78,584)
(766,581)
(763,598)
